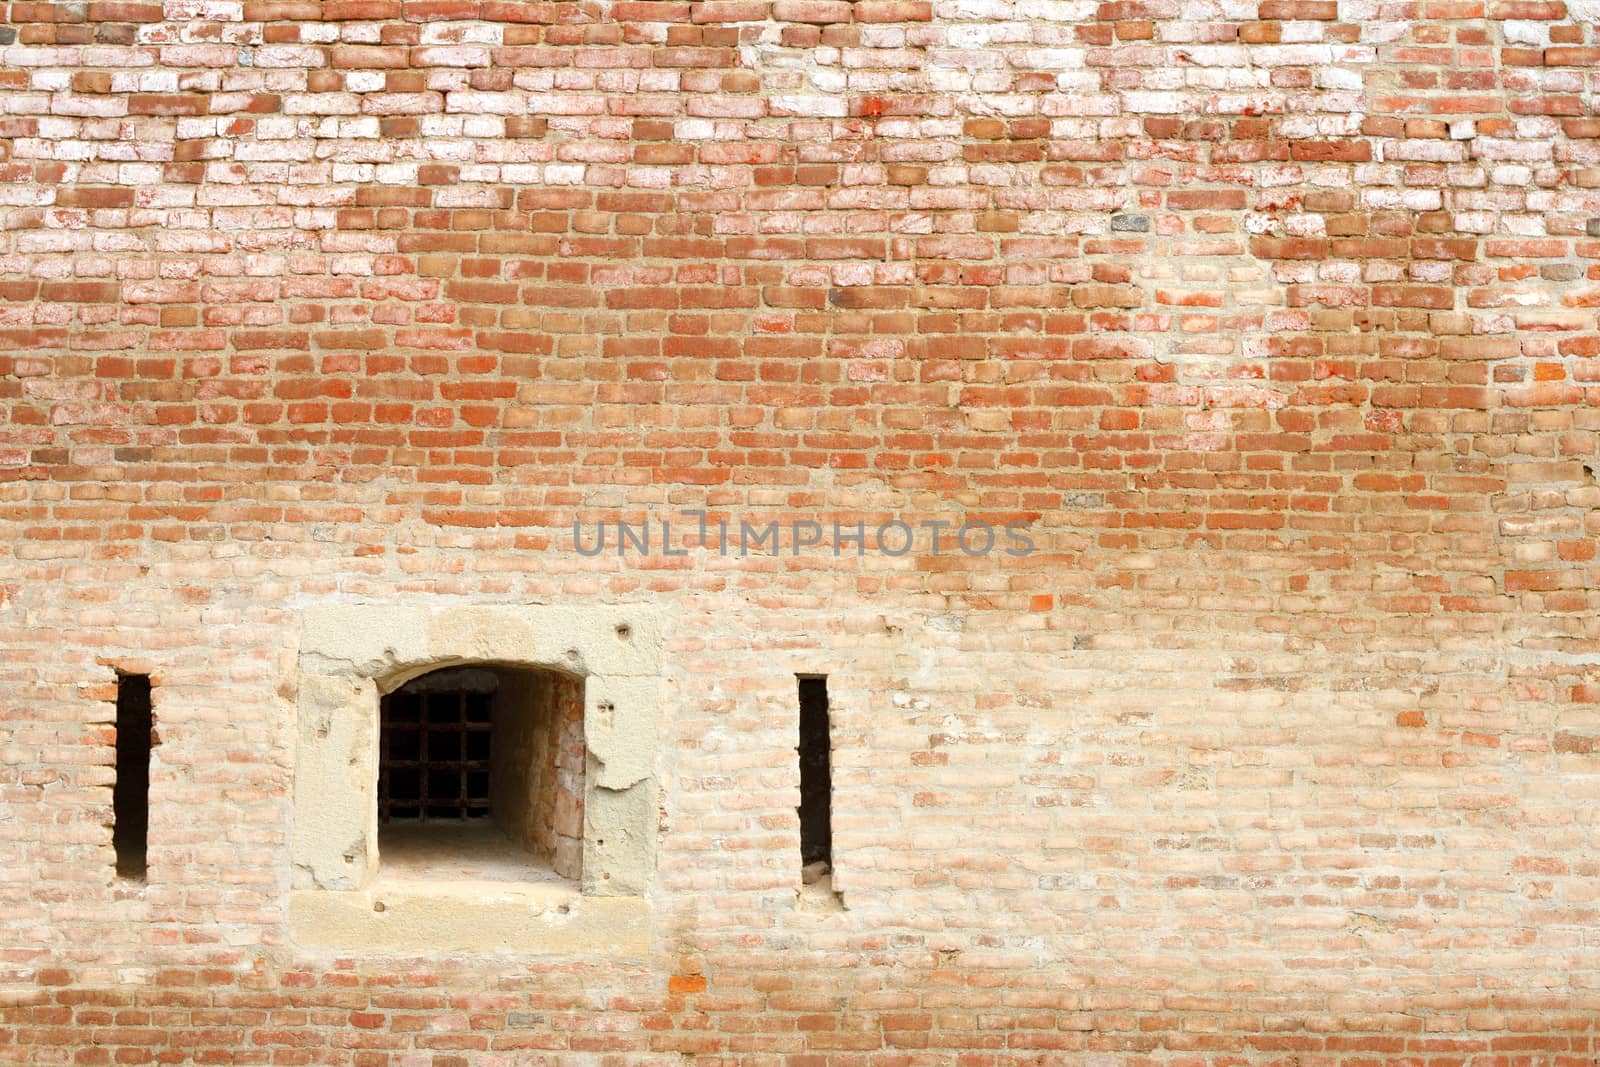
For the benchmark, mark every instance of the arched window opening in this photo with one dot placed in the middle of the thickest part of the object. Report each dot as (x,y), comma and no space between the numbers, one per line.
(481,774)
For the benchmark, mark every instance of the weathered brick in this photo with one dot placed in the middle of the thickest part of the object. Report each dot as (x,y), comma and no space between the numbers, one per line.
(816,11)
(1273,328)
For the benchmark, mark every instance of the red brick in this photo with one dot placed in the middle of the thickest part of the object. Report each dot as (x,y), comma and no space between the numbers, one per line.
(1304,442)
(1290,10)
(815,11)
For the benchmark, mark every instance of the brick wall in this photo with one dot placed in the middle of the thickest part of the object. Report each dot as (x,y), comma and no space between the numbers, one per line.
(1276,323)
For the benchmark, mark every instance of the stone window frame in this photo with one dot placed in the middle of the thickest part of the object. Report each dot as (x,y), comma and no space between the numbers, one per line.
(350,656)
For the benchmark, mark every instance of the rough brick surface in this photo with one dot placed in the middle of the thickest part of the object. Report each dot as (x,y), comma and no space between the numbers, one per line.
(1277,322)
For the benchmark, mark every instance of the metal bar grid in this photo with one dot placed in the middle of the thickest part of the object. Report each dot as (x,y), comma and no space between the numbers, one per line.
(434,752)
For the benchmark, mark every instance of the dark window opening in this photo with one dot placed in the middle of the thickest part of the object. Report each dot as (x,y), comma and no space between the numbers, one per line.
(816,773)
(434,751)
(480,773)
(130,796)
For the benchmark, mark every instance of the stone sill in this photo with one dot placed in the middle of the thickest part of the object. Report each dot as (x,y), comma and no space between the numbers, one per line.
(470,916)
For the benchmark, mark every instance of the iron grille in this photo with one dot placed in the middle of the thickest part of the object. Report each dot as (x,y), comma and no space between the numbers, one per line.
(433,755)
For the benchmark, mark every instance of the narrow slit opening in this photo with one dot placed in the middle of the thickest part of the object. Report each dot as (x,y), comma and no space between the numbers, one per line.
(130,797)
(816,773)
